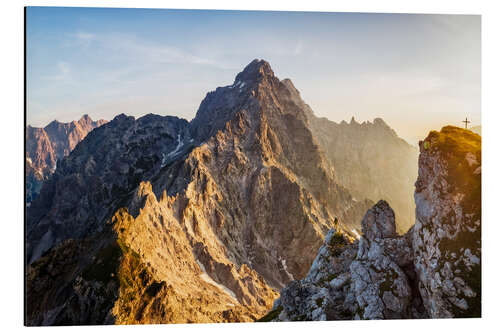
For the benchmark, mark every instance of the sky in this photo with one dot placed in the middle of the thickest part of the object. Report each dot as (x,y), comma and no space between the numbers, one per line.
(417,72)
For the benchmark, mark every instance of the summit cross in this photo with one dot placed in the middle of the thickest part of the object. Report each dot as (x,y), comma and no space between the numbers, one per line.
(466,121)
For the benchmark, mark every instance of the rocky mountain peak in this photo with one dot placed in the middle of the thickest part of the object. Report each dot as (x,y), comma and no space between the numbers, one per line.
(53,125)
(122,117)
(85,120)
(255,90)
(255,71)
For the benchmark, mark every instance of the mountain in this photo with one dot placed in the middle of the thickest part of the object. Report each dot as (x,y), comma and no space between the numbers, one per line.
(158,220)
(45,146)
(372,162)
(369,159)
(433,271)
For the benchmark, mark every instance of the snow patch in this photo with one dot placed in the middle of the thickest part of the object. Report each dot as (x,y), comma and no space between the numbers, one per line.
(179,145)
(205,277)
(165,158)
(283,263)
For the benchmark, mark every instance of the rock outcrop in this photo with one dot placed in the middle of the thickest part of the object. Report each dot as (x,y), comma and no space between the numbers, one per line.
(45,146)
(433,271)
(447,232)
(366,278)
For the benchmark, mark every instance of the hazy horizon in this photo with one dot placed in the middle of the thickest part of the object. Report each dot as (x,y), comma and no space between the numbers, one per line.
(417,72)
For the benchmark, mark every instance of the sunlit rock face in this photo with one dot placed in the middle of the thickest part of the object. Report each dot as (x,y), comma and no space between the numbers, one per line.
(447,233)
(433,271)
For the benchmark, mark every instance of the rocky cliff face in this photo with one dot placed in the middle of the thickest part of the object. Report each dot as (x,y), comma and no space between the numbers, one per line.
(447,233)
(433,271)
(45,146)
(169,221)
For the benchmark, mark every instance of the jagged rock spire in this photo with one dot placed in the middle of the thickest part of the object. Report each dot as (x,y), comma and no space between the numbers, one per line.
(379,221)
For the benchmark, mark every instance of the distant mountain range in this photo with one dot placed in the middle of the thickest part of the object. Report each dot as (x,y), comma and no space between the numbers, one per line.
(372,162)
(45,146)
(161,220)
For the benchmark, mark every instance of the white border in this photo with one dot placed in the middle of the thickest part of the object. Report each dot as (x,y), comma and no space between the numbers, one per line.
(11,62)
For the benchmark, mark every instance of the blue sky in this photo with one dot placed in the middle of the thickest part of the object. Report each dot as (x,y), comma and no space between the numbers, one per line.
(417,72)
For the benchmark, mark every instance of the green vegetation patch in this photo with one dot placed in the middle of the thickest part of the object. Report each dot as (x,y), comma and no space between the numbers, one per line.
(338,239)
(387,284)
(337,243)
(271,315)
